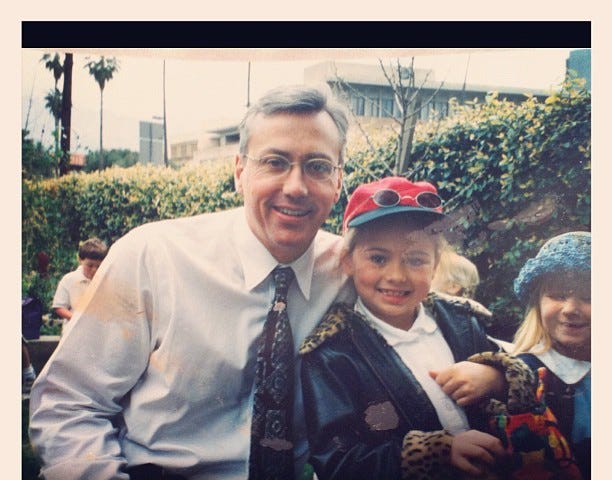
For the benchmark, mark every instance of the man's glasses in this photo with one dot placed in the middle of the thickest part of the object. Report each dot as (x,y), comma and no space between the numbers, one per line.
(319,169)
(391,198)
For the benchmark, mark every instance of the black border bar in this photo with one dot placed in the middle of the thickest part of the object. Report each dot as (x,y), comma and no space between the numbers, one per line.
(306,34)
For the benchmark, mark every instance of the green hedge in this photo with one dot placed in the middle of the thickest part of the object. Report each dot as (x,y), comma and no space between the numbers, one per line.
(511,176)
(59,213)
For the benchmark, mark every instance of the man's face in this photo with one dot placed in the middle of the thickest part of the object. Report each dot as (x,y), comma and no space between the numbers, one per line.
(286,211)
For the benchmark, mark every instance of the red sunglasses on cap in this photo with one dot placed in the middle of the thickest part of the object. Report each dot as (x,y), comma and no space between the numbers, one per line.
(390,198)
(391,195)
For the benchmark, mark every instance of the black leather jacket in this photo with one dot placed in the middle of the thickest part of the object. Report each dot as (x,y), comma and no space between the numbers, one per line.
(366,414)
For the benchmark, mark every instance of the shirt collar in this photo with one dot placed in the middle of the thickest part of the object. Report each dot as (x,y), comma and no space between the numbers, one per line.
(567,369)
(423,324)
(257,262)
(82,277)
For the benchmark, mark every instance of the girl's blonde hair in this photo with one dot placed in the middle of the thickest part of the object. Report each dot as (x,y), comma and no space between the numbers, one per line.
(531,332)
(455,269)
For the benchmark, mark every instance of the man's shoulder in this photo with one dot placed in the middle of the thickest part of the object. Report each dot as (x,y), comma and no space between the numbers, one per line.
(167,228)
(324,235)
(326,241)
(193,233)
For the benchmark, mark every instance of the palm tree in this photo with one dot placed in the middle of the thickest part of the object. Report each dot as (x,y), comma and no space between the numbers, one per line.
(102,71)
(53,64)
(53,103)
(66,114)
(54,97)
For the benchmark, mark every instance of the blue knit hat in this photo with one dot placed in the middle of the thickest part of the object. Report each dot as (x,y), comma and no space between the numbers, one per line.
(567,252)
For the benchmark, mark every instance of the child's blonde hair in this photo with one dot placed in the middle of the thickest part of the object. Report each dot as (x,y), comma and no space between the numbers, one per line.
(455,270)
(531,332)
(416,221)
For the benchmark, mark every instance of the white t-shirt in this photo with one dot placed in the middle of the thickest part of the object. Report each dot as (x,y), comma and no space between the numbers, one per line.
(70,289)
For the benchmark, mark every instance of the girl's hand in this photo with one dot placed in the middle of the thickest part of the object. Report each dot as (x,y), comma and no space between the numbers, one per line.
(468,382)
(473,451)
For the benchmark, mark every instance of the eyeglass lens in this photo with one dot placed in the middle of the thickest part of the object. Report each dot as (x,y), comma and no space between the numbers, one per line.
(315,168)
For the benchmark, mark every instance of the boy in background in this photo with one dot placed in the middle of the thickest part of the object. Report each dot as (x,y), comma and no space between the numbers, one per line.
(72,285)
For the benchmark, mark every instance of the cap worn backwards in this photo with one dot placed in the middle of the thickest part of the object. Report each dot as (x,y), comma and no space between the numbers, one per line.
(391,195)
(566,252)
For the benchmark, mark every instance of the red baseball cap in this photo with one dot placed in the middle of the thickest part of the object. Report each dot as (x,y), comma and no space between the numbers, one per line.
(391,195)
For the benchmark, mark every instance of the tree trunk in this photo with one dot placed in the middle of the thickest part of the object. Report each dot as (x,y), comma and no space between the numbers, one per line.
(404,157)
(165,124)
(101,160)
(66,115)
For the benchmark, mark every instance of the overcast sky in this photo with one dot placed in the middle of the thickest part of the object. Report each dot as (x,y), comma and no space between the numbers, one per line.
(206,93)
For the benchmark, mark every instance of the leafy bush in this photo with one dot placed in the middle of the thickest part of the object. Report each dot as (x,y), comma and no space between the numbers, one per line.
(36,160)
(115,157)
(511,176)
(59,213)
(524,173)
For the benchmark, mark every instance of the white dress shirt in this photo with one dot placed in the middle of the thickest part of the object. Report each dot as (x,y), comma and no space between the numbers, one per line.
(423,348)
(167,336)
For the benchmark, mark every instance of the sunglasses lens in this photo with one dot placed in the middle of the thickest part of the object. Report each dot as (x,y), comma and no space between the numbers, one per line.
(386,198)
(429,200)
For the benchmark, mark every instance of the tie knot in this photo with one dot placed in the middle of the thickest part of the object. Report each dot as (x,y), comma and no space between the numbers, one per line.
(283,276)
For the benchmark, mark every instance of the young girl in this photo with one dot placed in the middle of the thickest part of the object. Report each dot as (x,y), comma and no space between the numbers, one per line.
(455,275)
(556,333)
(373,409)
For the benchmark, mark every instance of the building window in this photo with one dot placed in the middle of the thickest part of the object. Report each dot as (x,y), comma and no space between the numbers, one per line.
(425,112)
(358,104)
(386,107)
(373,107)
(442,108)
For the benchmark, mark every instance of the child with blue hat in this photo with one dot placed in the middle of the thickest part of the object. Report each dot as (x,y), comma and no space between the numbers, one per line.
(543,419)
(555,335)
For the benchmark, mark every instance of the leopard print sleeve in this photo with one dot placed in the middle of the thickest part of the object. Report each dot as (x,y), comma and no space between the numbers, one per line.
(426,455)
(522,382)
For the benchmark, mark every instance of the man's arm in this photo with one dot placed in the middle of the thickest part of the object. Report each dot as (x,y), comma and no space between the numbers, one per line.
(78,397)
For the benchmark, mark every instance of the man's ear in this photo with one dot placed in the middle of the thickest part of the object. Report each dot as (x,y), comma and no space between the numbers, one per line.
(238,170)
(338,186)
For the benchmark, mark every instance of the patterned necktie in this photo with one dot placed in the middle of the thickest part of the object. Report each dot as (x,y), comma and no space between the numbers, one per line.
(271,432)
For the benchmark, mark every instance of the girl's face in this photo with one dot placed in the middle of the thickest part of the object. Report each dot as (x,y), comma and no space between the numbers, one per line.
(392,266)
(565,307)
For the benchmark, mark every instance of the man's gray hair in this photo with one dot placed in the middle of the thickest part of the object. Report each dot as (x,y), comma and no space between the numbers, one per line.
(297,99)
